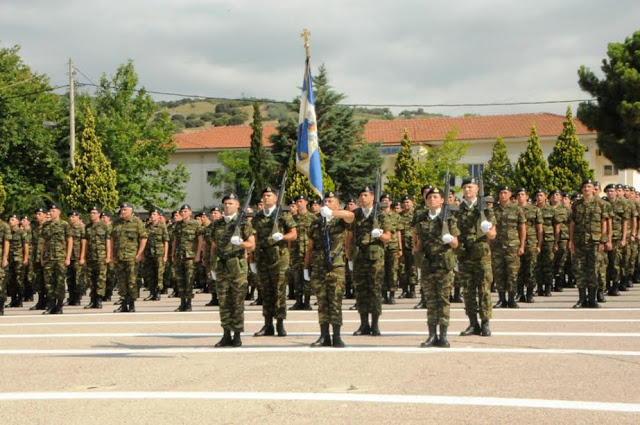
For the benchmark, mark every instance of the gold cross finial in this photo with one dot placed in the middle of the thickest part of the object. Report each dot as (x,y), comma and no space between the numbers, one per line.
(305,34)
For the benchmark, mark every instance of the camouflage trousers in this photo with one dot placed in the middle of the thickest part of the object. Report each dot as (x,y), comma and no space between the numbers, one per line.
(55,273)
(273,283)
(185,273)
(625,263)
(154,273)
(97,277)
(302,287)
(367,280)
(633,246)
(437,285)
(476,277)
(527,270)
(111,279)
(329,287)
(231,287)
(3,285)
(15,279)
(76,279)
(126,276)
(391,264)
(585,261)
(559,260)
(37,278)
(506,265)
(614,273)
(408,270)
(602,269)
(545,264)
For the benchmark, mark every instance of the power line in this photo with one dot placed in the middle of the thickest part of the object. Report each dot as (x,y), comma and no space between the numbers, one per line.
(20,82)
(37,92)
(87,78)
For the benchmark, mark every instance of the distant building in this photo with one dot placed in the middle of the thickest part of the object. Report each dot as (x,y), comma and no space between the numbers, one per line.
(198,151)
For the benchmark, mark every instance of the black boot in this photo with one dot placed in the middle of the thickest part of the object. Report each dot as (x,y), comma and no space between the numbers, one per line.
(512,301)
(582,298)
(58,309)
(613,290)
(364,328)
(521,297)
(375,330)
(267,329)
(392,297)
(2,307)
(442,338)
(51,306)
(593,303)
(187,305)
(98,303)
(132,306)
(456,296)
(237,341)
(92,303)
(183,301)
(41,304)
(258,300)
(529,296)
(157,295)
(547,289)
(337,340)
(385,297)
(558,284)
(473,328)
(124,306)
(502,300)
(152,294)
(484,328)
(432,341)
(226,339)
(214,299)
(422,303)
(306,305)
(412,291)
(600,296)
(211,303)
(325,338)
(298,304)
(280,327)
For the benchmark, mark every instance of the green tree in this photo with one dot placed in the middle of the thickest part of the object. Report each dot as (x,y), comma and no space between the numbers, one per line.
(499,169)
(405,180)
(3,195)
(260,162)
(138,145)
(432,169)
(298,183)
(234,176)
(566,161)
(93,180)
(615,113)
(31,155)
(283,143)
(531,171)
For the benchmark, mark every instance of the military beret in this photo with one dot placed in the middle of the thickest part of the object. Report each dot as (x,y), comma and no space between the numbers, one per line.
(587,181)
(351,200)
(330,194)
(619,186)
(231,196)
(105,214)
(469,180)
(575,195)
(268,189)
(610,186)
(199,214)
(10,216)
(54,206)
(625,187)
(407,198)
(520,189)
(489,198)
(39,210)
(554,192)
(365,189)
(126,205)
(384,196)
(539,190)
(24,217)
(155,210)
(299,197)
(314,201)
(94,208)
(631,188)
(504,187)
(185,207)
(394,204)
(72,213)
(426,187)
(596,183)
(435,190)
(214,209)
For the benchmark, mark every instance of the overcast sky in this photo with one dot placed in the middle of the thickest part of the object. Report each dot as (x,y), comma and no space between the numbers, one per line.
(376,52)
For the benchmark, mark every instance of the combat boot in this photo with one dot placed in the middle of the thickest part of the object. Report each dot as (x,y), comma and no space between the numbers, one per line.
(2,307)
(433,337)
(267,329)
(215,300)
(442,338)
(258,300)
(183,301)
(226,339)
(152,294)
(237,341)
(41,304)
(421,304)
(582,298)
(157,296)
(211,303)
(600,296)
(92,303)
(529,296)
(473,328)
(392,297)
(58,308)
(187,305)
(520,295)
(547,289)
(385,297)
(280,327)
(337,340)
(412,291)
(298,304)
(593,303)
(375,330)
(512,301)
(306,305)
(558,284)
(132,306)
(98,303)
(628,282)
(613,290)
(484,328)
(364,328)
(124,307)
(354,307)
(502,300)
(325,338)
(51,306)
(622,286)
(456,296)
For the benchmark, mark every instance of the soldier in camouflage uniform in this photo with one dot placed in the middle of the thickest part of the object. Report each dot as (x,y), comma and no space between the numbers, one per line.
(171,280)
(626,266)
(5,240)
(37,273)
(187,246)
(615,246)
(602,264)
(25,225)
(408,275)
(230,242)
(509,246)
(436,244)
(587,238)
(56,257)
(630,195)
(105,216)
(208,261)
(328,277)
(156,255)
(533,246)
(18,260)
(560,223)
(349,290)
(303,219)
(545,259)
(129,238)
(392,251)
(96,256)
(474,259)
(371,232)
(75,271)
(272,259)
(417,258)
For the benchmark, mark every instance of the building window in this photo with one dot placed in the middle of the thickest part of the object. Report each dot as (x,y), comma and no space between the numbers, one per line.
(476,170)
(211,175)
(392,150)
(610,170)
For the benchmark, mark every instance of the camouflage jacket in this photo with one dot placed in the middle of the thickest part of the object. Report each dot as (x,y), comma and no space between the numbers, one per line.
(394,224)
(533,215)
(18,240)
(54,235)
(157,236)
(473,244)
(587,220)
(303,224)
(548,212)
(97,236)
(406,224)
(436,254)
(221,234)
(561,218)
(338,230)
(126,236)
(266,248)
(186,235)
(77,233)
(5,235)
(508,219)
(621,213)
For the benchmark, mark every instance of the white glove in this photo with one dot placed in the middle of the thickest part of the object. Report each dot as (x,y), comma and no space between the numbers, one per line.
(277,236)
(447,238)
(213,275)
(326,212)
(485,226)
(253,267)
(376,233)
(419,274)
(236,240)
(305,272)
(350,264)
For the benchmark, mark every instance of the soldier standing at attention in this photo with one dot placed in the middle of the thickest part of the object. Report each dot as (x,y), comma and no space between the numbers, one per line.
(5,241)
(272,260)
(371,232)
(187,246)
(129,240)
(56,257)
(437,247)
(231,270)
(75,271)
(614,249)
(25,225)
(511,236)
(18,260)
(36,260)
(349,290)
(328,277)
(96,255)
(626,269)
(408,275)
(303,219)
(545,259)
(392,251)
(587,237)
(533,246)
(105,217)
(156,255)
(214,215)
(561,239)
(411,293)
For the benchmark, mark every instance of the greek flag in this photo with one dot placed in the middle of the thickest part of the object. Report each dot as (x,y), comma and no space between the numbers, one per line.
(307,151)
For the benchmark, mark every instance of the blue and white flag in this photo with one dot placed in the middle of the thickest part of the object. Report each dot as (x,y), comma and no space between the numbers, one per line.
(307,151)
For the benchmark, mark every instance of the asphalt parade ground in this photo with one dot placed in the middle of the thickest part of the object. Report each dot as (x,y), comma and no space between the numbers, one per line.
(545,363)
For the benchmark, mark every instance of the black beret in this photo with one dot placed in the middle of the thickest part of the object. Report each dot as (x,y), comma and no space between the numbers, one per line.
(469,180)
(596,183)
(268,189)
(394,204)
(94,208)
(625,187)
(54,206)
(72,213)
(521,189)
(105,214)
(384,196)
(407,198)
(426,187)
(435,190)
(504,187)
(554,192)
(39,210)
(24,217)
(214,209)
(587,181)
(299,197)
(539,190)
(619,186)
(330,194)
(314,201)
(610,186)
(232,196)
(351,200)
(10,216)
(185,207)
(365,189)
(126,205)
(155,210)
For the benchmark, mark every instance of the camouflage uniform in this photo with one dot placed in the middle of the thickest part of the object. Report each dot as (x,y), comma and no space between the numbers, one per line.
(28,270)
(186,244)
(154,259)
(621,214)
(628,264)
(391,259)
(602,258)
(75,272)
(15,271)
(545,259)
(55,235)
(527,271)
(408,273)
(506,261)
(561,219)
(298,251)
(36,270)
(5,235)
(127,236)
(97,236)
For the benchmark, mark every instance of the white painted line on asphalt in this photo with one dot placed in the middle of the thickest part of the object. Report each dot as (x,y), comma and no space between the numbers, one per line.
(307,349)
(401,333)
(332,397)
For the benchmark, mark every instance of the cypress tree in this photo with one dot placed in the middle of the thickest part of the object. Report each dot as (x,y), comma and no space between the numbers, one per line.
(298,183)
(499,169)
(531,171)
(258,158)
(3,195)
(405,180)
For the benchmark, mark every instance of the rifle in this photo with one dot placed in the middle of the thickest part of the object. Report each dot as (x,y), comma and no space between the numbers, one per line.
(482,202)
(378,192)
(446,208)
(243,212)
(279,204)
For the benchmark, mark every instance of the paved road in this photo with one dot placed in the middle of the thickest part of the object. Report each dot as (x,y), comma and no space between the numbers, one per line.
(545,363)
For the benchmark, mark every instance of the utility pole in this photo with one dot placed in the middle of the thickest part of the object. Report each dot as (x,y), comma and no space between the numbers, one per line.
(72,116)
